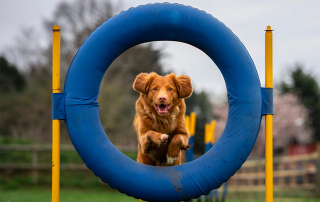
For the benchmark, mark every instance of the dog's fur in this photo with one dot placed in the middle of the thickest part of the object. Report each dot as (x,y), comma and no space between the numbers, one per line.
(160,118)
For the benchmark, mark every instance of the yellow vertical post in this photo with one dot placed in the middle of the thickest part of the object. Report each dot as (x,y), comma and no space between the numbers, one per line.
(56,123)
(209,132)
(193,117)
(268,119)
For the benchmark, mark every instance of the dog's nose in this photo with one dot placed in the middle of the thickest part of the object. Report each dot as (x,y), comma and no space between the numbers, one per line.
(162,99)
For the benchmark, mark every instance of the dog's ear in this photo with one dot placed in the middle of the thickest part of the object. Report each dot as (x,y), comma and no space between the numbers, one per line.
(184,86)
(143,81)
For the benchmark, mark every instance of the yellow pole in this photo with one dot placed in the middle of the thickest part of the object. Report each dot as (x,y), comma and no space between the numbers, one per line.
(209,132)
(56,123)
(193,117)
(269,119)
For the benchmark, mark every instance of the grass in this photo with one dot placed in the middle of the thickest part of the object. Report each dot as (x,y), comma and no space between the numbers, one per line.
(96,195)
(66,195)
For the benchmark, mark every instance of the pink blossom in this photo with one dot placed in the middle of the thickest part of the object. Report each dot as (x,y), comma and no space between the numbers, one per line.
(289,123)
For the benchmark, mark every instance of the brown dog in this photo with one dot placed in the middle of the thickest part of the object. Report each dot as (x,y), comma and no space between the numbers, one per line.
(160,118)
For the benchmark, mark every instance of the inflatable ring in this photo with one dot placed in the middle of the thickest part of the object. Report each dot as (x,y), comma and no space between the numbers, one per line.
(163,22)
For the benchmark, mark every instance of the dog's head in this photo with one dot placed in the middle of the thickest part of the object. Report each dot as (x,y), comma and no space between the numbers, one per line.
(162,93)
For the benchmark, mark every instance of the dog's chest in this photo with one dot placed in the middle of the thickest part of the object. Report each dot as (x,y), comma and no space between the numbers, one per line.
(164,126)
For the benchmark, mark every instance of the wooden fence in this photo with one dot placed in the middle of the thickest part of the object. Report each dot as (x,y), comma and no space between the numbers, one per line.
(293,175)
(34,166)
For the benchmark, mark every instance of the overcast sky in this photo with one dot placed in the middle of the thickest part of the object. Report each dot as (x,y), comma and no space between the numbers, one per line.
(296,25)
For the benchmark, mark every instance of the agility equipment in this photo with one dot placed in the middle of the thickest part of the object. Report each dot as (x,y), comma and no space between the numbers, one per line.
(78,103)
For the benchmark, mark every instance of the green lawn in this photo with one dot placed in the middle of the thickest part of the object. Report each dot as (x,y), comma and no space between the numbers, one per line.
(66,195)
(79,195)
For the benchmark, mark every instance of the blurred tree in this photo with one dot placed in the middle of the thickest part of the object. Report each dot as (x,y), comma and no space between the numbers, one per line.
(10,78)
(288,124)
(28,113)
(199,102)
(305,86)
(11,83)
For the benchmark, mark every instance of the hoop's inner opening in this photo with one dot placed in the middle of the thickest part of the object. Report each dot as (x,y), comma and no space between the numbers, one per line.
(117,97)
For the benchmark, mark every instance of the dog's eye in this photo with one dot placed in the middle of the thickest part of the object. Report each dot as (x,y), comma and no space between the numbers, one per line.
(170,89)
(155,88)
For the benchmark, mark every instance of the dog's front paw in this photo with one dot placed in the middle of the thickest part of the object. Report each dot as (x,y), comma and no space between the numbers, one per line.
(185,147)
(164,138)
(171,160)
(157,138)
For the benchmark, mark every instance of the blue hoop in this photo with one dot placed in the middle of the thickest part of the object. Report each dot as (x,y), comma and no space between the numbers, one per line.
(163,22)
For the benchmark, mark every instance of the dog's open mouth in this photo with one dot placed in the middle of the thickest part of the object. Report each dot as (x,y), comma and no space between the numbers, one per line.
(162,109)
